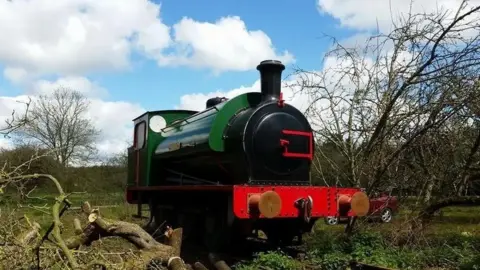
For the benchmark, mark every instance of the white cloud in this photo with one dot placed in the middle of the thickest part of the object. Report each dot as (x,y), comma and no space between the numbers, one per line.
(15,75)
(114,119)
(78,36)
(81,84)
(368,14)
(197,101)
(5,143)
(226,44)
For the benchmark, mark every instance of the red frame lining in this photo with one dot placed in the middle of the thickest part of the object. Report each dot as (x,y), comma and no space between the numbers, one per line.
(325,199)
(184,188)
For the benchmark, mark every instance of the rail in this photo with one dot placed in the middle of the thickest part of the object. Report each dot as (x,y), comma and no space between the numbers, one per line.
(363,266)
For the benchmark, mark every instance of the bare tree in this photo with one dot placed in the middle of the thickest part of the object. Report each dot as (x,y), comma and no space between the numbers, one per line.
(58,122)
(400,109)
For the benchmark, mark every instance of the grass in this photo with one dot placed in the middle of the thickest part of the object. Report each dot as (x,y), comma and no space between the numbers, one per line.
(38,208)
(452,241)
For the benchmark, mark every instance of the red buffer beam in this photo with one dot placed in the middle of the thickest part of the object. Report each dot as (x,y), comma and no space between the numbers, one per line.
(293,201)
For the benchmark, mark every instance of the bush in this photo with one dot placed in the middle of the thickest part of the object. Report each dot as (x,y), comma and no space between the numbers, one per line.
(272,259)
(334,251)
(470,263)
(331,261)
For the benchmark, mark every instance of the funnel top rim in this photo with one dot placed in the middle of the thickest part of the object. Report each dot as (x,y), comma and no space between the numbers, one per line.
(271,61)
(271,64)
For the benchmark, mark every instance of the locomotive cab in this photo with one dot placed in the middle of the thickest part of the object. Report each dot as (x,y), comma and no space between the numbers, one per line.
(215,101)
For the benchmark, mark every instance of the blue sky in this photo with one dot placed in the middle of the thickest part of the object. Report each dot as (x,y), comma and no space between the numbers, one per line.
(129,56)
(293,34)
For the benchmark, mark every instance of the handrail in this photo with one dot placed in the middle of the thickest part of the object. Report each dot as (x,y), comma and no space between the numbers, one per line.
(175,124)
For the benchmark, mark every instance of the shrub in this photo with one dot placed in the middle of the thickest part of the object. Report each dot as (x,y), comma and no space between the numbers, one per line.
(334,251)
(272,259)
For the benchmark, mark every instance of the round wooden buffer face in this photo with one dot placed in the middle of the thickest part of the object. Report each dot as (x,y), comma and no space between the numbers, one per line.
(270,204)
(360,204)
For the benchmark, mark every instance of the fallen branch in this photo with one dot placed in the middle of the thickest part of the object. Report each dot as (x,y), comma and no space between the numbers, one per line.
(99,206)
(59,200)
(24,239)
(99,227)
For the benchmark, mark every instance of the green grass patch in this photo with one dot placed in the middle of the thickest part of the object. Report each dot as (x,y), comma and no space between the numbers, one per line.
(38,207)
(451,241)
(270,260)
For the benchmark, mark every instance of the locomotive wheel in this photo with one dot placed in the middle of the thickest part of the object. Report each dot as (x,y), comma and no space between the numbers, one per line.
(279,238)
(279,234)
(216,236)
(284,232)
(193,226)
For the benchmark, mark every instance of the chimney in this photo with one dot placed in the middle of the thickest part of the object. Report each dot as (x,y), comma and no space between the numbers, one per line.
(270,78)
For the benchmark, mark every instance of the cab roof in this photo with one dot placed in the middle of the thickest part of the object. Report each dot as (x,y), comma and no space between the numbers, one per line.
(165,111)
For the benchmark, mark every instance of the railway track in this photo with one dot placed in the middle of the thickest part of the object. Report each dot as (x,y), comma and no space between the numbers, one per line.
(363,266)
(194,253)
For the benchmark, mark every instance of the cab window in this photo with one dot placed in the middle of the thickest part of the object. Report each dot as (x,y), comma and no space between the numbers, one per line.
(140,130)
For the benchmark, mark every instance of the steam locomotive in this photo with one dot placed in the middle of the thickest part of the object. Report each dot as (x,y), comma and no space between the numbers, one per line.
(237,167)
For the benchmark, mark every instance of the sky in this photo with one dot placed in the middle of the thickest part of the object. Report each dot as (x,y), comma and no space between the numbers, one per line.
(130,56)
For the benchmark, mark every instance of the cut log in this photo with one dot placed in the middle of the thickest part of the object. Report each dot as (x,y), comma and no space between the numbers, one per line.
(176,263)
(174,239)
(77,226)
(30,236)
(150,249)
(218,262)
(199,266)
